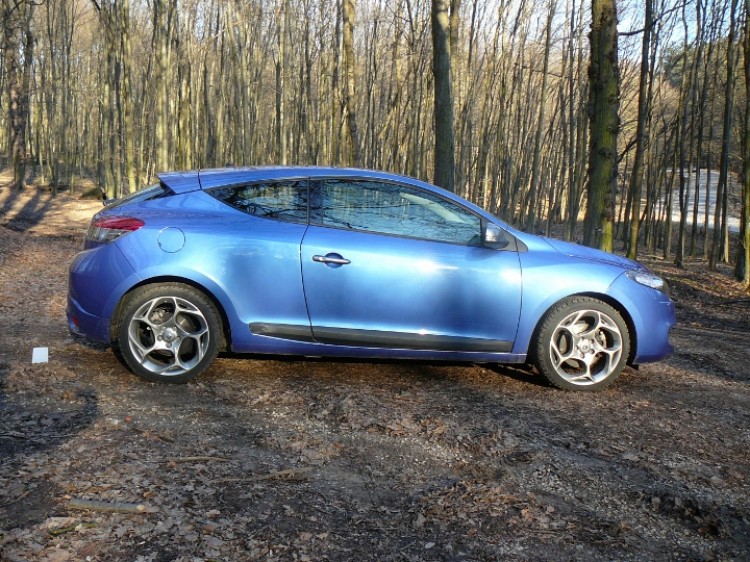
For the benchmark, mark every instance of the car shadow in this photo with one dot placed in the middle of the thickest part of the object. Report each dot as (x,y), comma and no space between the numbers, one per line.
(31,424)
(522,373)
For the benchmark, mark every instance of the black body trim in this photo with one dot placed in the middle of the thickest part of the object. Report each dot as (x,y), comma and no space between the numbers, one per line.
(376,338)
(284,331)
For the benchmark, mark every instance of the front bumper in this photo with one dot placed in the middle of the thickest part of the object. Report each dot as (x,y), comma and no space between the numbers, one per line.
(652,314)
(656,345)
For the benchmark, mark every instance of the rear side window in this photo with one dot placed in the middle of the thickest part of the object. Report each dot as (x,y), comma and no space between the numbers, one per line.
(279,200)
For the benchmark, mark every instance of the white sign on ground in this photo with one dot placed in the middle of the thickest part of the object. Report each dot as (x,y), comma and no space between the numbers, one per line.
(40,355)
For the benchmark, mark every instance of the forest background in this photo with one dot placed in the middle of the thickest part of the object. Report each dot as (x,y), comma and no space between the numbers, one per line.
(541,111)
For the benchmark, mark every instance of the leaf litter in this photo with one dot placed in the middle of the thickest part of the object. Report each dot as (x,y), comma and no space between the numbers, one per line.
(285,459)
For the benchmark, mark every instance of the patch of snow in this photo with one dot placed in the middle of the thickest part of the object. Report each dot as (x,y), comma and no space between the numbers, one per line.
(702,178)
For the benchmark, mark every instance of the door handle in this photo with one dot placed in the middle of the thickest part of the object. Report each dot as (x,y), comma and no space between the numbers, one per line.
(331,258)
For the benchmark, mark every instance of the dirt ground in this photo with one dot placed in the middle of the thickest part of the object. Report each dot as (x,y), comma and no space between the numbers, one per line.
(265,459)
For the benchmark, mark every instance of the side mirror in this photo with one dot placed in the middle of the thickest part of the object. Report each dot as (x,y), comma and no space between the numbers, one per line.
(495,237)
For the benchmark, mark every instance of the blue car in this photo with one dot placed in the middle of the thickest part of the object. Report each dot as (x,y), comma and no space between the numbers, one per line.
(334,262)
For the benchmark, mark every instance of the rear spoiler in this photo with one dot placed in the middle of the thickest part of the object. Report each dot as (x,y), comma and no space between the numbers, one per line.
(181,182)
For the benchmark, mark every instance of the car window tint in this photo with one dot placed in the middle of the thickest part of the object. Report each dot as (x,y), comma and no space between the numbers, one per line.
(390,208)
(281,200)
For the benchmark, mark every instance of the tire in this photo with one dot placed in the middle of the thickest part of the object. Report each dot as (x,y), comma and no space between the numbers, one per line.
(168,332)
(581,344)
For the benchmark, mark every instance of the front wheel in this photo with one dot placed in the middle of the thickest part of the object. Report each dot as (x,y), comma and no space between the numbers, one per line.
(168,332)
(582,344)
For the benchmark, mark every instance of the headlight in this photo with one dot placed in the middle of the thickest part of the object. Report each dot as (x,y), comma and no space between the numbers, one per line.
(649,280)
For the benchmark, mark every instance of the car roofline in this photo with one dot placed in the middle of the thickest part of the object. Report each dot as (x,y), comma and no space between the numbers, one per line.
(207,178)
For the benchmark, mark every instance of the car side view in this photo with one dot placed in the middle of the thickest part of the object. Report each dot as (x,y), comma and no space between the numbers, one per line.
(333,262)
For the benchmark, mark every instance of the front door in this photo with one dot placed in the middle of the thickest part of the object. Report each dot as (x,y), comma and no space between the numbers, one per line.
(392,265)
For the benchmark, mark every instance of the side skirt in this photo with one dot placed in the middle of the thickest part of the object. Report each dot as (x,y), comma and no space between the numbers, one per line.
(381,339)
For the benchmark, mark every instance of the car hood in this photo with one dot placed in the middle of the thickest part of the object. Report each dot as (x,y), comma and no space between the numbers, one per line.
(584,252)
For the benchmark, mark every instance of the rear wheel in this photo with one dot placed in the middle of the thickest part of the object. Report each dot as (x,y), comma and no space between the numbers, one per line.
(581,344)
(168,332)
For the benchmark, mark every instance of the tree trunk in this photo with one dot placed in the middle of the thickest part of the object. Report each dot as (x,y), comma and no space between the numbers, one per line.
(441,70)
(164,11)
(127,97)
(22,123)
(702,111)
(687,85)
(604,123)
(742,268)
(533,187)
(16,18)
(641,135)
(350,100)
(281,148)
(576,150)
(726,137)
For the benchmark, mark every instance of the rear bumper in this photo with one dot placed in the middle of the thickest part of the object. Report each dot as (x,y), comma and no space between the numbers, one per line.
(97,279)
(82,323)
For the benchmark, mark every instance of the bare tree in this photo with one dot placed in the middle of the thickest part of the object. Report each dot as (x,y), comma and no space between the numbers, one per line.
(641,137)
(443,107)
(164,25)
(742,269)
(719,248)
(604,100)
(536,155)
(350,82)
(18,47)
(282,23)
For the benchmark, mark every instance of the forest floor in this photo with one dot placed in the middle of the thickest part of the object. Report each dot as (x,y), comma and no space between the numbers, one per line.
(264,459)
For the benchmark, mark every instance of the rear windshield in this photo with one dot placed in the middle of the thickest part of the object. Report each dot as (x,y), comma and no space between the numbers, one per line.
(151,192)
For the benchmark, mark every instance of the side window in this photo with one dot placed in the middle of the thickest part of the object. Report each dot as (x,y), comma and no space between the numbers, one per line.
(280,200)
(390,208)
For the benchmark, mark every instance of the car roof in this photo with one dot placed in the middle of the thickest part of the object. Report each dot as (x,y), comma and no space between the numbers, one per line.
(193,180)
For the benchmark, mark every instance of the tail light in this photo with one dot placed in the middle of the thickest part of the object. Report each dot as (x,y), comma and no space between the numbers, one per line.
(106,229)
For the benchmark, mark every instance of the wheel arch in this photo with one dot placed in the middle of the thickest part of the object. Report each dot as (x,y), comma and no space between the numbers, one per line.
(225,324)
(607,299)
